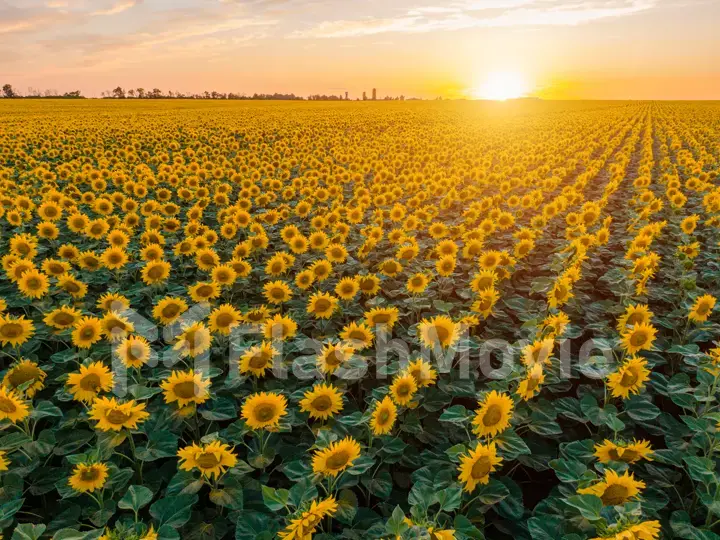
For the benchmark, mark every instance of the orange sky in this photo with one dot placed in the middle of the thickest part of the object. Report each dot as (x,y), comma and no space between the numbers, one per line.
(579,49)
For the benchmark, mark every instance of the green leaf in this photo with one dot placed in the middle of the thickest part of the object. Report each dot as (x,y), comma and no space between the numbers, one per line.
(135,498)
(45,409)
(701,469)
(589,506)
(8,510)
(28,531)
(396,525)
(275,499)
(254,526)
(161,444)
(568,471)
(491,493)
(511,445)
(173,511)
(641,410)
(457,414)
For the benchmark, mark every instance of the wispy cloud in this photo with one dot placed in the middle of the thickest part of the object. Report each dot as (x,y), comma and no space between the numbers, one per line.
(486,14)
(118,7)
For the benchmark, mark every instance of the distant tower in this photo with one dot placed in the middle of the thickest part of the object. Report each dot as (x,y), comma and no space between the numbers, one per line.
(346,95)
(364,97)
(374,94)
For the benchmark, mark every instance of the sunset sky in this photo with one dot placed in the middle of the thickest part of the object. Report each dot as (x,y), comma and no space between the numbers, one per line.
(616,49)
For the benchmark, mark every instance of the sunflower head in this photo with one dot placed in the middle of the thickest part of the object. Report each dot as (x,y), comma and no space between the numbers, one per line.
(322,401)
(88,477)
(264,410)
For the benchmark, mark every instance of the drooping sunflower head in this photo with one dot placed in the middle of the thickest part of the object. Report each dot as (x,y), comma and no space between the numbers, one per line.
(623,452)
(635,314)
(630,378)
(26,377)
(264,410)
(538,352)
(700,311)
(614,489)
(423,372)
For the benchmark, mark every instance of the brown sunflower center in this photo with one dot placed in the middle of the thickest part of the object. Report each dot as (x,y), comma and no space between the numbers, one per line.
(87,332)
(259,360)
(627,456)
(23,374)
(90,475)
(156,272)
(72,287)
(7,405)
(614,494)
(636,318)
(322,305)
(117,417)
(224,320)
(338,460)
(322,403)
(265,412)
(203,291)
(481,467)
(492,416)
(638,339)
(629,378)
(186,389)
(207,460)
(11,330)
(64,319)
(90,382)
(442,333)
(403,390)
(334,358)
(170,311)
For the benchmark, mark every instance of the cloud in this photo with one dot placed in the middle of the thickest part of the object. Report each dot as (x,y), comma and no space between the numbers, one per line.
(118,7)
(486,14)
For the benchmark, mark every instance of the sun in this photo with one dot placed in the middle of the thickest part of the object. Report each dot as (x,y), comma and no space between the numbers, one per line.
(502,85)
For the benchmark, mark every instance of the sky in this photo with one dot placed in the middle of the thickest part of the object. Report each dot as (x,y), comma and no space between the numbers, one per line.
(554,49)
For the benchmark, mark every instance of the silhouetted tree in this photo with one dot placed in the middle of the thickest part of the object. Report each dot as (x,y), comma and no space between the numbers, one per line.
(8,91)
(118,92)
(140,93)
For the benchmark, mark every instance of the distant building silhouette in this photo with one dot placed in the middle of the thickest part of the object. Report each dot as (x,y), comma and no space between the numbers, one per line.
(364,96)
(374,94)
(346,96)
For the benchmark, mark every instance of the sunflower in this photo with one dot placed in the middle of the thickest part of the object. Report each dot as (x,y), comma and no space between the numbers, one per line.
(33,284)
(62,317)
(304,525)
(383,416)
(169,309)
(629,378)
(423,373)
(493,415)
(417,283)
(337,457)
(116,327)
(277,292)
(224,318)
(538,352)
(440,330)
(304,279)
(194,340)
(280,327)
(185,387)
(212,460)
(74,287)
(623,452)
(383,317)
(634,314)
(560,293)
(333,356)
(358,335)
(323,401)
(114,258)
(647,530)
(445,266)
(89,381)
(403,388)
(321,269)
(12,406)
(15,331)
(133,351)
(476,466)
(369,284)
(223,274)
(87,477)
(256,360)
(206,259)
(322,305)
(485,302)
(347,288)
(264,410)
(700,311)
(204,291)
(4,465)
(88,260)
(113,302)
(86,332)
(638,338)
(530,385)
(155,272)
(25,377)
(614,490)
(112,415)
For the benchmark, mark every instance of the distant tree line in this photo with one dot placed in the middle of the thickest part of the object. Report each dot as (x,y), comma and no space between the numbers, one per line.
(9,92)
(141,93)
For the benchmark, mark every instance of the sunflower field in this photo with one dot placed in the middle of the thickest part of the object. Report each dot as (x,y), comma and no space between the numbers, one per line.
(398,320)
